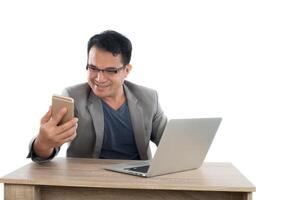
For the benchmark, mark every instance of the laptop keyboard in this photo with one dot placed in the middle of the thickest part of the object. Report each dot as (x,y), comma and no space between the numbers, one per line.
(142,169)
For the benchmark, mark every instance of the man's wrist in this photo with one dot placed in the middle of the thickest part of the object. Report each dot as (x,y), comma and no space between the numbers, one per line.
(40,150)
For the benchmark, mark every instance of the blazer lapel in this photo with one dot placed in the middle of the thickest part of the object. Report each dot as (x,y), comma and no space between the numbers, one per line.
(137,120)
(96,111)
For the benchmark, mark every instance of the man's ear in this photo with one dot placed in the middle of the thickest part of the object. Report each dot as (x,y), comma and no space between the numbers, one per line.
(128,69)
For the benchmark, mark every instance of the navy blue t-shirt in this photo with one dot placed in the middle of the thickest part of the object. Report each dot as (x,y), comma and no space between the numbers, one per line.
(118,140)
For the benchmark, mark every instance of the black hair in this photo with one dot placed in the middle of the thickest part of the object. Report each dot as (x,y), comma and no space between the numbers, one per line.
(113,42)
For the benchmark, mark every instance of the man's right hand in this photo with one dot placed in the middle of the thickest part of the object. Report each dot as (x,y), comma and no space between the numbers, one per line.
(52,135)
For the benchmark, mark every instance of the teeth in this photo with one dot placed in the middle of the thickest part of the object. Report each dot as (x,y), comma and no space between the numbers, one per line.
(101,86)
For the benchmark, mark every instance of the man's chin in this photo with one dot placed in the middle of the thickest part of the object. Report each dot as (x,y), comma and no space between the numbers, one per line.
(100,92)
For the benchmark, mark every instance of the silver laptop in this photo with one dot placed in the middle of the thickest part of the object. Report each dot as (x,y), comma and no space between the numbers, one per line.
(183,146)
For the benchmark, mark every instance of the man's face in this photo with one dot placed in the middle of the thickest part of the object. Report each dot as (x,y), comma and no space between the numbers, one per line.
(106,84)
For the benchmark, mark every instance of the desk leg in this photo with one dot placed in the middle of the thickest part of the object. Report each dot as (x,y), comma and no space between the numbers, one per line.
(21,192)
(248,196)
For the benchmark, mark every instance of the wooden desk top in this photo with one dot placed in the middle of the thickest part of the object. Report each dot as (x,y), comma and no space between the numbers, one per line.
(78,172)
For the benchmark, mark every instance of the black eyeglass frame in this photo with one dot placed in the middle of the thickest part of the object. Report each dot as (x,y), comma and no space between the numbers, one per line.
(110,70)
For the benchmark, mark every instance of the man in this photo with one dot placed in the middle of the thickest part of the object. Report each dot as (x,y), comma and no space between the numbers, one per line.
(114,118)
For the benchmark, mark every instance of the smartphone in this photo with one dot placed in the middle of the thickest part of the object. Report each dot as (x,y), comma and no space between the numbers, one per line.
(58,102)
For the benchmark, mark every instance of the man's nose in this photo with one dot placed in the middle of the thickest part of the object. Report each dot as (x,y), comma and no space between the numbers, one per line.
(100,76)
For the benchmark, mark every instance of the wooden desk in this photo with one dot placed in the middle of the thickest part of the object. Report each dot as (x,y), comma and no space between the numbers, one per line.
(74,178)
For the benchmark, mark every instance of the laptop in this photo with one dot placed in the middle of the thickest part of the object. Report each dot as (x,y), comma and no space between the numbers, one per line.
(183,146)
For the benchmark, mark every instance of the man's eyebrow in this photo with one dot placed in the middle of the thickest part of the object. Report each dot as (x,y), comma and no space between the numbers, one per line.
(102,68)
(92,65)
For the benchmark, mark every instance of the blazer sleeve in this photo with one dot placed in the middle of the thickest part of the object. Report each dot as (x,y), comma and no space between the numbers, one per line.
(38,159)
(159,122)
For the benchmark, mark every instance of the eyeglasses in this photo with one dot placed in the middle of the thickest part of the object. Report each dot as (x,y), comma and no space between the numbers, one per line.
(108,71)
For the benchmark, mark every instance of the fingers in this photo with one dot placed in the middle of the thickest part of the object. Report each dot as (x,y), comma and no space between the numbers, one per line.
(69,139)
(56,118)
(46,117)
(68,131)
(57,139)
(67,135)
(67,125)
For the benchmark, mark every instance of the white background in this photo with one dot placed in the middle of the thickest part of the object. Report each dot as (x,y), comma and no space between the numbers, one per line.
(234,59)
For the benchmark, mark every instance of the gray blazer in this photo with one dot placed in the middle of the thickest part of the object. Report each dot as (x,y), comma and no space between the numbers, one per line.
(147,118)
